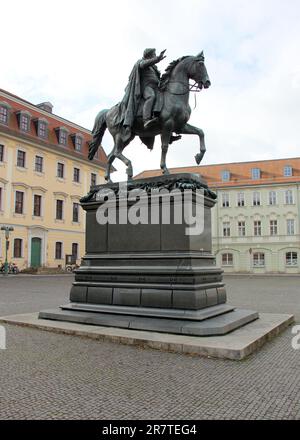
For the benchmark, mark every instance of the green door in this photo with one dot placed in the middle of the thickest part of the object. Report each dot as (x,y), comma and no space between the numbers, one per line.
(36,247)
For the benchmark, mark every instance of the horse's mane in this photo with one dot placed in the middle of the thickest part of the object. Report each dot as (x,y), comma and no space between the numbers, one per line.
(165,78)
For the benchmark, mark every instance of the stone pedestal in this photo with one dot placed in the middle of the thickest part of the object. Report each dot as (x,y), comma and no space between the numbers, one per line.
(156,275)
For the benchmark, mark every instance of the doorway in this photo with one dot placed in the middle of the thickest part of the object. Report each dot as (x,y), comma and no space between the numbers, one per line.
(36,248)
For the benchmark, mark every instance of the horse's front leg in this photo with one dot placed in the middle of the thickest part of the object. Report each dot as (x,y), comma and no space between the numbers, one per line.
(165,140)
(190,129)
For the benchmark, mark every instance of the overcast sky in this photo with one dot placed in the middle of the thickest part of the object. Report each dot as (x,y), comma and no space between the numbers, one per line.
(78,55)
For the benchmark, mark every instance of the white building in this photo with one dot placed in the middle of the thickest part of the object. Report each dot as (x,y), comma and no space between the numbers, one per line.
(256,222)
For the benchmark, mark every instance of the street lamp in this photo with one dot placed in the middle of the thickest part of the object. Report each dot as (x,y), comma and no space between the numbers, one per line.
(7,230)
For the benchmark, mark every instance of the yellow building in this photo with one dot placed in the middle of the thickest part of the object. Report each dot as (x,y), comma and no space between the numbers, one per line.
(44,171)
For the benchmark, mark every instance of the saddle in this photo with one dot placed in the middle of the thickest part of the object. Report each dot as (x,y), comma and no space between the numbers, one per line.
(157,108)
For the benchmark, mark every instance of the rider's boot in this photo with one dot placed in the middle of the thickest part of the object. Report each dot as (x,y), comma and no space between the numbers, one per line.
(149,122)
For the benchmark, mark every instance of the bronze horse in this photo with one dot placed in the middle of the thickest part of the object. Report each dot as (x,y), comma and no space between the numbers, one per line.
(173,117)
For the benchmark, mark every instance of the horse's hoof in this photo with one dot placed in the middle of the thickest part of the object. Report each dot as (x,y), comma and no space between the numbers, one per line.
(198,158)
(166,171)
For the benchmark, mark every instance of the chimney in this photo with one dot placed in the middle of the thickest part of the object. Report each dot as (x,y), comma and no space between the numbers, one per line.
(47,106)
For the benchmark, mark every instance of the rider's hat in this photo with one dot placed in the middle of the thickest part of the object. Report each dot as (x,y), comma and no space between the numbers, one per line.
(148,53)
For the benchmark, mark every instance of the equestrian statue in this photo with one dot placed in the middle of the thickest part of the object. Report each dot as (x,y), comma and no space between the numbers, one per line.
(153,105)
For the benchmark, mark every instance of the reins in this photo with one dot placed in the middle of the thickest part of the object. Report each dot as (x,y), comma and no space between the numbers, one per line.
(191,88)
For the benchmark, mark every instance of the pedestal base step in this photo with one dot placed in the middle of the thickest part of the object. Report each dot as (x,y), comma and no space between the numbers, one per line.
(236,345)
(193,315)
(218,325)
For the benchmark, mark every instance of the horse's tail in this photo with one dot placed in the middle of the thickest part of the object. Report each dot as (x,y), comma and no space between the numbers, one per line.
(98,132)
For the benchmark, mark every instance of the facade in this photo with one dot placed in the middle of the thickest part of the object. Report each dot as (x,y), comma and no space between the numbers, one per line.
(44,172)
(256,221)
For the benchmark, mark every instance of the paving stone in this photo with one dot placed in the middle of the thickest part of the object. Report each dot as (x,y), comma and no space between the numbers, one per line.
(52,376)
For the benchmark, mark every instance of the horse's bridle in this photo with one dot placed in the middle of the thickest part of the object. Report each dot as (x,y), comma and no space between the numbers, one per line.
(191,88)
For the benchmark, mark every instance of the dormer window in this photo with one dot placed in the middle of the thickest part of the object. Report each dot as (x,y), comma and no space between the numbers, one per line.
(41,125)
(225,176)
(23,120)
(255,173)
(62,135)
(77,140)
(288,171)
(4,112)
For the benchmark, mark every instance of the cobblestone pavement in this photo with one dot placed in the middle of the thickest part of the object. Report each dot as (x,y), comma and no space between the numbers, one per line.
(53,376)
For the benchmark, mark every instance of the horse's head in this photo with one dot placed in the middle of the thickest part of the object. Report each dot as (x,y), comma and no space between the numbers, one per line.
(198,71)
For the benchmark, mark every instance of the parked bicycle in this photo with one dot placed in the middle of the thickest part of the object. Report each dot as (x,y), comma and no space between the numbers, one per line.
(12,268)
(71,267)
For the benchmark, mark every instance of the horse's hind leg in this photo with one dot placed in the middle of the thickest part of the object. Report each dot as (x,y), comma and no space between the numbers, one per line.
(120,145)
(127,162)
(111,157)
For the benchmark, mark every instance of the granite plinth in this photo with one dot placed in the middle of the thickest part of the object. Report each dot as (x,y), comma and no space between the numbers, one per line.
(153,275)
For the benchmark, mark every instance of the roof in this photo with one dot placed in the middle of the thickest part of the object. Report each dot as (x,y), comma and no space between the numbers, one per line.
(271,171)
(18,104)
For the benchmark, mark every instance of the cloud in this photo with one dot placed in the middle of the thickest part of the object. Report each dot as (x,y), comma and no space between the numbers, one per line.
(79,58)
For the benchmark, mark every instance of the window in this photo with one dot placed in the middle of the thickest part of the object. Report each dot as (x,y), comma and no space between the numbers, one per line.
(242,229)
(256,198)
(241,199)
(1,196)
(59,209)
(93,179)
(78,143)
(37,205)
(226,229)
(290,226)
(273,227)
(225,176)
(258,259)
(63,137)
(19,203)
(60,170)
(75,212)
(39,161)
(227,259)
(3,114)
(76,175)
(257,228)
(289,199)
(291,258)
(225,200)
(58,250)
(1,153)
(77,140)
(21,157)
(272,198)
(42,129)
(75,250)
(24,122)
(287,171)
(18,247)
(255,173)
